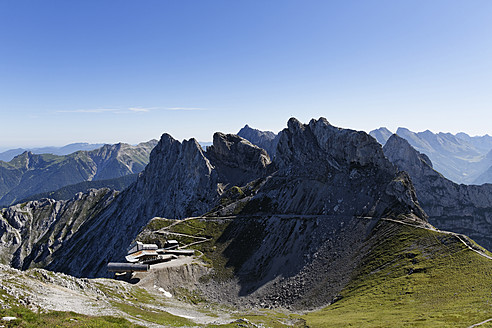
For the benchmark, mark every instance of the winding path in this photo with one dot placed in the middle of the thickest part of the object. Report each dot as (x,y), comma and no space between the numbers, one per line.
(444,232)
(480,323)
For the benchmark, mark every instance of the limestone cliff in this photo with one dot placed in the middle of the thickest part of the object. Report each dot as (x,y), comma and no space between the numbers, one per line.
(298,240)
(323,169)
(236,160)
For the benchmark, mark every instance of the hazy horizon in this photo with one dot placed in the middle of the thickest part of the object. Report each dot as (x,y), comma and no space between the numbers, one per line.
(3,149)
(125,71)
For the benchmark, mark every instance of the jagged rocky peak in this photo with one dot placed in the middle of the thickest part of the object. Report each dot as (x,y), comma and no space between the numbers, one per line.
(398,149)
(323,169)
(455,207)
(318,141)
(249,131)
(180,175)
(238,152)
(236,159)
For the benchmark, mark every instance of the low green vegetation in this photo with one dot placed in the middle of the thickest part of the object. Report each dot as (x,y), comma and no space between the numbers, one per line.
(155,316)
(273,319)
(32,319)
(201,234)
(413,278)
(188,296)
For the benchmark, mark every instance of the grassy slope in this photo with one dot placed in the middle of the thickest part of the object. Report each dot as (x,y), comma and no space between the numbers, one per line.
(30,319)
(413,278)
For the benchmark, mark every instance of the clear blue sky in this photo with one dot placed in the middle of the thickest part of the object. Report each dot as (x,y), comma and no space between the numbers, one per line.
(109,71)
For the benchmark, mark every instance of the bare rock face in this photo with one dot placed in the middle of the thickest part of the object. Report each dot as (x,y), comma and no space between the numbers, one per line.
(327,170)
(31,232)
(178,182)
(319,170)
(465,209)
(236,159)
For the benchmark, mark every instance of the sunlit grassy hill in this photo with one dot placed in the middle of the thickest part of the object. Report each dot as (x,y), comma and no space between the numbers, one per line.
(413,277)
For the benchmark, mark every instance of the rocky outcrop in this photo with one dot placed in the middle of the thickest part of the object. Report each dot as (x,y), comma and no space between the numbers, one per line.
(29,174)
(178,182)
(263,139)
(465,209)
(327,170)
(236,160)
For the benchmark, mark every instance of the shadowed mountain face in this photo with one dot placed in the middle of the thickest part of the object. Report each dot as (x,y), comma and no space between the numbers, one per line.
(29,174)
(236,160)
(320,166)
(458,208)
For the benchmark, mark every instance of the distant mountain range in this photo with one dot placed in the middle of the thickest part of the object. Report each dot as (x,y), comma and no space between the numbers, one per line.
(8,155)
(460,158)
(29,174)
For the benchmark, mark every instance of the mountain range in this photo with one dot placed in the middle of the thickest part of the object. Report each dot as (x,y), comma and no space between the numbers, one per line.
(328,221)
(460,158)
(29,174)
(8,155)
(464,209)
